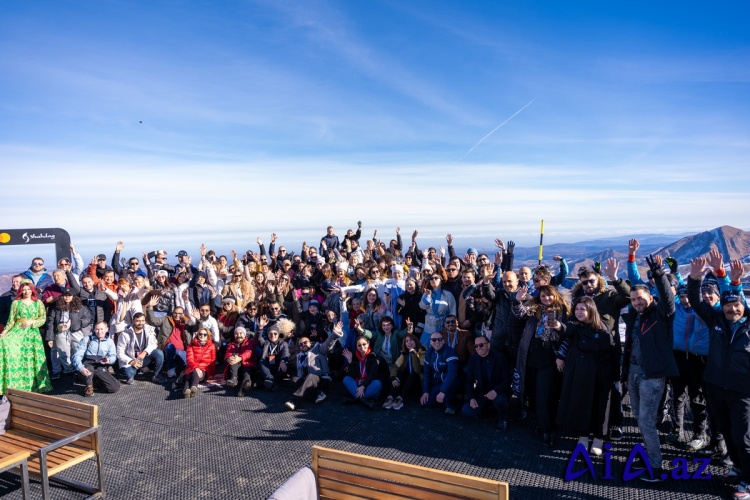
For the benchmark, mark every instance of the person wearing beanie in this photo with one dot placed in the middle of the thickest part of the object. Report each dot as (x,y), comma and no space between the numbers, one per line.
(727,373)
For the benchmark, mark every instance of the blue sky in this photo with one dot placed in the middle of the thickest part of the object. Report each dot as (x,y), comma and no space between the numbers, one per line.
(133,119)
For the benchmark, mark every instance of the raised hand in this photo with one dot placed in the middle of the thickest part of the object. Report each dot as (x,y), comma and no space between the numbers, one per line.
(449,239)
(375,234)
(557,258)
(273,237)
(499,244)
(258,240)
(511,246)
(338,328)
(398,230)
(610,268)
(153,301)
(673,265)
(633,246)
(498,258)
(234,255)
(414,235)
(203,250)
(522,293)
(736,270)
(119,247)
(696,267)
(263,321)
(347,354)
(715,260)
(442,250)
(655,263)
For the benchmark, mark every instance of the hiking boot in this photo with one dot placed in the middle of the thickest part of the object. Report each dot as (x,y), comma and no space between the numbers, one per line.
(698,443)
(194,390)
(660,475)
(398,403)
(89,391)
(388,403)
(743,491)
(232,382)
(596,447)
(321,397)
(187,393)
(615,434)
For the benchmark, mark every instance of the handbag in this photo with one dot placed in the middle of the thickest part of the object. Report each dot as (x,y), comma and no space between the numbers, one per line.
(4,414)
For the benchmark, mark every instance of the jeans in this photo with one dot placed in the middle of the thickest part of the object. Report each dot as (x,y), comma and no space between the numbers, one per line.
(63,350)
(450,395)
(372,391)
(156,357)
(645,395)
(173,360)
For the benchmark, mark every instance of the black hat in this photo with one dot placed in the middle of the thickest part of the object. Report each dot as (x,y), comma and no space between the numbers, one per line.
(66,291)
(729,296)
(181,253)
(101,256)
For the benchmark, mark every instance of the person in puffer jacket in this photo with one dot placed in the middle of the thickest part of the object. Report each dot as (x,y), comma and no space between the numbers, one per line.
(201,362)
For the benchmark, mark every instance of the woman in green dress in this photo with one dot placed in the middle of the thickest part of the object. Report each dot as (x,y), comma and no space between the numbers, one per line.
(23,364)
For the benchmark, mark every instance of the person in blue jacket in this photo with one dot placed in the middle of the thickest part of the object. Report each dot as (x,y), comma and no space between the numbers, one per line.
(92,358)
(440,375)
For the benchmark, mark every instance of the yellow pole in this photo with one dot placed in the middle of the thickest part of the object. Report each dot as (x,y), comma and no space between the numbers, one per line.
(541,240)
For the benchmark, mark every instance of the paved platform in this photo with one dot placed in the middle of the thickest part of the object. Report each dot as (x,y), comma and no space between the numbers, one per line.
(157,445)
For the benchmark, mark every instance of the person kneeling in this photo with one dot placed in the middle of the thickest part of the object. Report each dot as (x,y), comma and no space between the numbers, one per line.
(487,383)
(241,360)
(201,362)
(92,357)
(361,378)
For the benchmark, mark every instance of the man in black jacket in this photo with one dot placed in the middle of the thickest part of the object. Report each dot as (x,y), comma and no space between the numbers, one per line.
(727,373)
(649,360)
(487,383)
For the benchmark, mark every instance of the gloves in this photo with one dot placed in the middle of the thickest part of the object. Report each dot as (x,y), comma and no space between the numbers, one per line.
(597,267)
(511,245)
(672,263)
(656,269)
(359,224)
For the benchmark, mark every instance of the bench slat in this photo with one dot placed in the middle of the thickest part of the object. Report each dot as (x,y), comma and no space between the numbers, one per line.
(50,432)
(334,489)
(379,485)
(34,416)
(415,470)
(405,477)
(69,414)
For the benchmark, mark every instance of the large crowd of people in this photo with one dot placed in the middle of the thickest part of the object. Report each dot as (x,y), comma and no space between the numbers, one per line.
(398,326)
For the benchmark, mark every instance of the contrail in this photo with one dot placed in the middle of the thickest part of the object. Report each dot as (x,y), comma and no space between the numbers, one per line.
(495,129)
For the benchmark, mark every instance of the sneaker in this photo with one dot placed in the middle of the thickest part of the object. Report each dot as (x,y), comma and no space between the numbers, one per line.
(130,381)
(388,403)
(584,440)
(194,390)
(398,404)
(158,379)
(244,389)
(698,443)
(232,382)
(743,491)
(596,447)
(55,376)
(89,391)
(615,434)
(171,373)
(268,384)
(321,397)
(450,411)
(660,475)
(732,476)
(290,405)
(187,393)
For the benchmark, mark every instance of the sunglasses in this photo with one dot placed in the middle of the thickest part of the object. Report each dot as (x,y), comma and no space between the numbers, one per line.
(133,263)
(451,322)
(588,282)
(437,340)
(37,263)
(202,335)
(481,344)
(451,269)
(434,278)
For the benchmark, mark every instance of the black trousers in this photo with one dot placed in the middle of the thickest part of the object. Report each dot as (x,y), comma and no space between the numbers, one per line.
(309,385)
(192,379)
(412,384)
(101,375)
(240,372)
(732,412)
(687,390)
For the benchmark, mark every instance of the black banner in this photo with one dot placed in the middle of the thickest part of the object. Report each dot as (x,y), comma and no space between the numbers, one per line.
(38,236)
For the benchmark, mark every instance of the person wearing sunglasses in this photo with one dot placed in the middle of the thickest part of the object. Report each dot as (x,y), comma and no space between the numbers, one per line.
(440,375)
(201,362)
(437,304)
(609,301)
(487,383)
(38,276)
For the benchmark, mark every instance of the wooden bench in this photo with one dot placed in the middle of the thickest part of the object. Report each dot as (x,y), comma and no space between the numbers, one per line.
(341,474)
(57,434)
(18,459)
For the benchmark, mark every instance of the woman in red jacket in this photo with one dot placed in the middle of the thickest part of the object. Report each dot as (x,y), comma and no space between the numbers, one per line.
(201,362)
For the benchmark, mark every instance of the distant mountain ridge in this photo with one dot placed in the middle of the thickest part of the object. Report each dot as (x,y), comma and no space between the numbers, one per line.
(732,243)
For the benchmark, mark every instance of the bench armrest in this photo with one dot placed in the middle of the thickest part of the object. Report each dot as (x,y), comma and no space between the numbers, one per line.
(13,460)
(68,440)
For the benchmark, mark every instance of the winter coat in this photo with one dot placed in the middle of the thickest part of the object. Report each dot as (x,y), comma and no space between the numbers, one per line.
(728,364)
(92,348)
(247,351)
(79,320)
(201,357)
(499,379)
(127,345)
(440,368)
